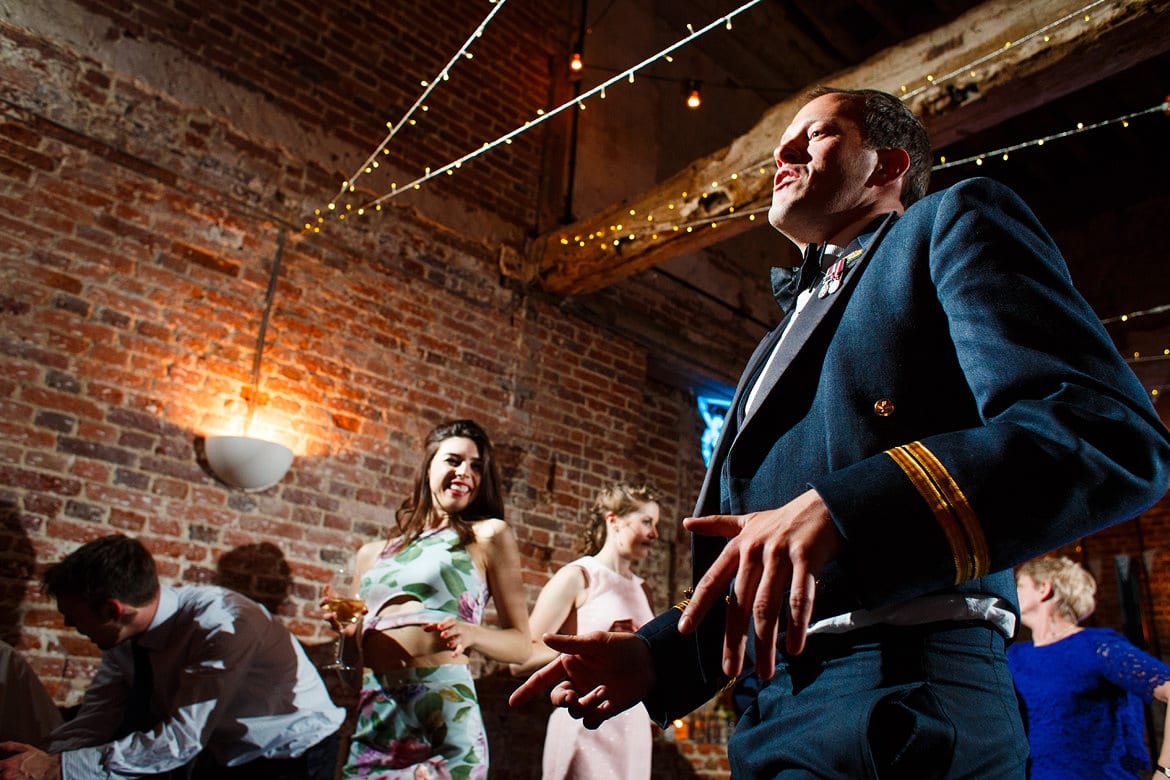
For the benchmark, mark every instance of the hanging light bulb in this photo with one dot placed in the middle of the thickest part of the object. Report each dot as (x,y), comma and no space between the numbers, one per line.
(576,64)
(694,99)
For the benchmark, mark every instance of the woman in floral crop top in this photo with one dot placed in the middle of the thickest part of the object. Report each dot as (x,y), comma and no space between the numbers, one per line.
(425,588)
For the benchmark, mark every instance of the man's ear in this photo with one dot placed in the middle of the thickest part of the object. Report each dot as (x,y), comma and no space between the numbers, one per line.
(891,164)
(1046,591)
(113,609)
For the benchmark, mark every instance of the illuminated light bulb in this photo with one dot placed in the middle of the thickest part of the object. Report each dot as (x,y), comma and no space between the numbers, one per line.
(426,108)
(424,83)
(1040,142)
(368,170)
(468,54)
(427,170)
(351,188)
(668,58)
(631,78)
(1154,391)
(450,172)
(1007,44)
(386,151)
(690,229)
(1166,352)
(654,236)
(389,125)
(321,219)
(1086,17)
(417,186)
(576,64)
(393,185)
(1005,156)
(349,207)
(341,216)
(1137,354)
(694,99)
(1080,125)
(617,229)
(930,77)
(1125,123)
(751,217)
(308,226)
(633,212)
(564,242)
(690,29)
(763,171)
(376,163)
(728,25)
(361,212)
(684,194)
(979,161)
(378,207)
(581,244)
(903,88)
(316,230)
(446,76)
(412,122)
(731,210)
(631,236)
(1124,317)
(734,176)
(507,142)
(942,159)
(332,206)
(603,93)
(580,105)
(616,242)
(714,185)
(670,206)
(317,211)
(714,225)
(1047,38)
(649,217)
(540,112)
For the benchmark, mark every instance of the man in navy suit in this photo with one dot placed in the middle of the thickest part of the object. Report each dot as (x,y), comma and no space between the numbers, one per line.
(937,404)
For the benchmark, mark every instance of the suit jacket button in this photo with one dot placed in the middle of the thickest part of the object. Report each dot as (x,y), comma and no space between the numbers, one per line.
(883,407)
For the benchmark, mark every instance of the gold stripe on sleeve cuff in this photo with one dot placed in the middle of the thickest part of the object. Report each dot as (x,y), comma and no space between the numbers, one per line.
(950,507)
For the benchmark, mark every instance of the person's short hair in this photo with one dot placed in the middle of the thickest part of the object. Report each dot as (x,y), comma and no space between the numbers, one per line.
(109,567)
(887,123)
(620,498)
(1073,588)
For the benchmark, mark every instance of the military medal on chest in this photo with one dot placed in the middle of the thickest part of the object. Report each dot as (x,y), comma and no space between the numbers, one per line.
(832,281)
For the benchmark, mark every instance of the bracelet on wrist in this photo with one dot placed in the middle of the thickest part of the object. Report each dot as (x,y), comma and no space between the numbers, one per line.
(1161,770)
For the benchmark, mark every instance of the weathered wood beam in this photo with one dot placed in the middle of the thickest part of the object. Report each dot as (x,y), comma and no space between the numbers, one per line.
(594,252)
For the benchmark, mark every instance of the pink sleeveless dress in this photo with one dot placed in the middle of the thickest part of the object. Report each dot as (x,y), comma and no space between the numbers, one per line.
(620,748)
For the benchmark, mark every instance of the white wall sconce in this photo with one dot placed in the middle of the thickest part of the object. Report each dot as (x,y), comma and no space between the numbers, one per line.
(247,463)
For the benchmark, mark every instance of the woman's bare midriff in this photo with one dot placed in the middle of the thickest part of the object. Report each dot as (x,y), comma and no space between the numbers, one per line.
(405,646)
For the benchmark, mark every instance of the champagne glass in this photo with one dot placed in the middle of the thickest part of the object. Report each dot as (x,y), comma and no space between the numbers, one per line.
(343,599)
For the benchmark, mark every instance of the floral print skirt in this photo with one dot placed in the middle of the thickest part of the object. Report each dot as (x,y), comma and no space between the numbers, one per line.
(418,724)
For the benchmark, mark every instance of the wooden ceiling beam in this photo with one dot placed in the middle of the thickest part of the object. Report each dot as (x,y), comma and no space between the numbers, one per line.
(708,193)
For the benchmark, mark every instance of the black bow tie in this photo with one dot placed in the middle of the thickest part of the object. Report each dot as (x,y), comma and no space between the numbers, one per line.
(788,283)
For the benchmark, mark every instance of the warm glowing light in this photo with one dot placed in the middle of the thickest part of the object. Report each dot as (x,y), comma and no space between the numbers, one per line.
(694,99)
(575,63)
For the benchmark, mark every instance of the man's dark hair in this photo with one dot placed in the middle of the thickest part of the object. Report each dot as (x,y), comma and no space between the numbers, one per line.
(886,123)
(110,567)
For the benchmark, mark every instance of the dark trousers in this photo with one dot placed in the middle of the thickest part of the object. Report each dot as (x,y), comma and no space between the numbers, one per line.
(317,763)
(886,702)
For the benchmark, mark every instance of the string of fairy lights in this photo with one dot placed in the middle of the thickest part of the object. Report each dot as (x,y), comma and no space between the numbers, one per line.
(724,21)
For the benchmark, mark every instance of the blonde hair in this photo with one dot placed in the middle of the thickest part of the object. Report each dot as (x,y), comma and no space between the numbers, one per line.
(1073,588)
(621,499)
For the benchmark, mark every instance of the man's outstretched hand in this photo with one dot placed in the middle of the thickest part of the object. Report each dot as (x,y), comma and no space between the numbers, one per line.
(774,557)
(597,675)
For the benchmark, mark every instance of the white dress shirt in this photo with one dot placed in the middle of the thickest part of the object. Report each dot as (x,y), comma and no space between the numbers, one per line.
(228,679)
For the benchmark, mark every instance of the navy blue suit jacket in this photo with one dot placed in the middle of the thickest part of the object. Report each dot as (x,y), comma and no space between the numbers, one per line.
(956,404)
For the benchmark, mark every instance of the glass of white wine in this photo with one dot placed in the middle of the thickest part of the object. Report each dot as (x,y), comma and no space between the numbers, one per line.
(344,600)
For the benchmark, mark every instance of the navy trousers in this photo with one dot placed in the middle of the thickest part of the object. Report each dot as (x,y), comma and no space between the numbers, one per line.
(919,702)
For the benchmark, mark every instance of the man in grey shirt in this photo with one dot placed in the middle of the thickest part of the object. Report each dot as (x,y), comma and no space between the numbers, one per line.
(194,682)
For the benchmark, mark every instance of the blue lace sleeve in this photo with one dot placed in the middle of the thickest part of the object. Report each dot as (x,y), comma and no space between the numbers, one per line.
(1129,668)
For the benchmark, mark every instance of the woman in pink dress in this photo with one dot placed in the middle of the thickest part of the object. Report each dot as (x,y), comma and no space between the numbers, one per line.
(599,592)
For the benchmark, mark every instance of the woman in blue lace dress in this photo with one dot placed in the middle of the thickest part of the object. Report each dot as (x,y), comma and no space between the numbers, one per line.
(425,588)
(1082,688)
